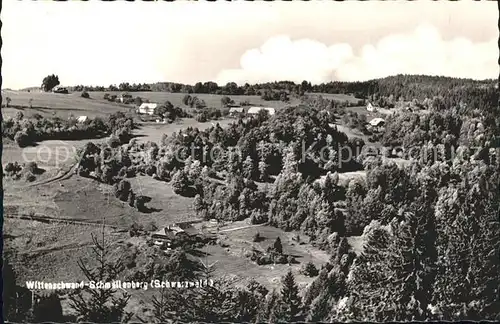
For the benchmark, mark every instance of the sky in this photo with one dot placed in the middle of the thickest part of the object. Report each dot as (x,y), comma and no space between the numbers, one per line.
(99,43)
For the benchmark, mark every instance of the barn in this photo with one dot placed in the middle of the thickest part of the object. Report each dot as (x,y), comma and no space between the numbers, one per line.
(147,108)
(82,119)
(376,124)
(235,111)
(173,233)
(256,110)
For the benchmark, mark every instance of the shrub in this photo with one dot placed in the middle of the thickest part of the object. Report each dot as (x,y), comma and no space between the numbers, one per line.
(150,170)
(180,182)
(30,177)
(257,237)
(131,172)
(201,118)
(114,141)
(265,259)
(37,116)
(12,167)
(140,202)
(85,94)
(106,96)
(22,139)
(135,229)
(31,167)
(151,227)
(309,269)
(279,258)
(131,198)
(122,190)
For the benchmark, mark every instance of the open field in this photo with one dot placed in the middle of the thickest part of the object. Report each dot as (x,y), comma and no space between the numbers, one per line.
(87,200)
(154,131)
(50,154)
(211,100)
(169,206)
(51,251)
(335,96)
(60,105)
(231,260)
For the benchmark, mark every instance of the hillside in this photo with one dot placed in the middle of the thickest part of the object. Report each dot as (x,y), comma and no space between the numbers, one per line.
(54,104)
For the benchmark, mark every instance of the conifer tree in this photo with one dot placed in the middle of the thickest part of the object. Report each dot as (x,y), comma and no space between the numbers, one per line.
(290,298)
(100,305)
(277,246)
(320,308)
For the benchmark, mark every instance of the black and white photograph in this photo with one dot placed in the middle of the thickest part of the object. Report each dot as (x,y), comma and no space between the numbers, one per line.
(250,161)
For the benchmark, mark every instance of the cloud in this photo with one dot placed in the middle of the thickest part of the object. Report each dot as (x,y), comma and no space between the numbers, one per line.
(421,52)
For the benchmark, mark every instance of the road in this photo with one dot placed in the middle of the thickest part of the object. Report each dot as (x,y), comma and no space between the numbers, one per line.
(240,228)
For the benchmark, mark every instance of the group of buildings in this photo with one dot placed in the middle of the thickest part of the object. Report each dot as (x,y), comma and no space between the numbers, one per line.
(148,108)
(236,111)
(176,233)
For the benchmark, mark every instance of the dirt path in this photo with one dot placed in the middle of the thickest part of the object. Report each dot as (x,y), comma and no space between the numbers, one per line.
(66,247)
(48,219)
(61,176)
(240,228)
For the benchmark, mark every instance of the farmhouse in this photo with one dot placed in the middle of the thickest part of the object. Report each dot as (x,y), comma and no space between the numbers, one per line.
(174,232)
(376,124)
(147,108)
(236,111)
(82,119)
(371,107)
(256,110)
(59,89)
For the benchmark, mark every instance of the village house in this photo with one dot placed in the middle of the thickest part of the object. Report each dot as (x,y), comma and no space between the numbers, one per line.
(371,107)
(235,111)
(147,108)
(376,125)
(82,119)
(256,110)
(174,233)
(59,89)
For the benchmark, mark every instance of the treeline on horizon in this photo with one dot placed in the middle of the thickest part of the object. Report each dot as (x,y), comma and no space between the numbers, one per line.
(406,86)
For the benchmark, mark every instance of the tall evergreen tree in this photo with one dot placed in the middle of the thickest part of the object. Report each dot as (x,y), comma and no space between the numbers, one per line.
(100,305)
(277,246)
(290,297)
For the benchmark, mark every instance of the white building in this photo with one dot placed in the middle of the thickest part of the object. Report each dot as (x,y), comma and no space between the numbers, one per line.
(371,107)
(376,124)
(235,111)
(82,119)
(147,108)
(256,110)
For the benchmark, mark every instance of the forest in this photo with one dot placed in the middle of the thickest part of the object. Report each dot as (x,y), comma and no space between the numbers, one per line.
(431,228)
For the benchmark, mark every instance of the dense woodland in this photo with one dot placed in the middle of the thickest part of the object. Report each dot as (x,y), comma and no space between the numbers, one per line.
(431,228)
